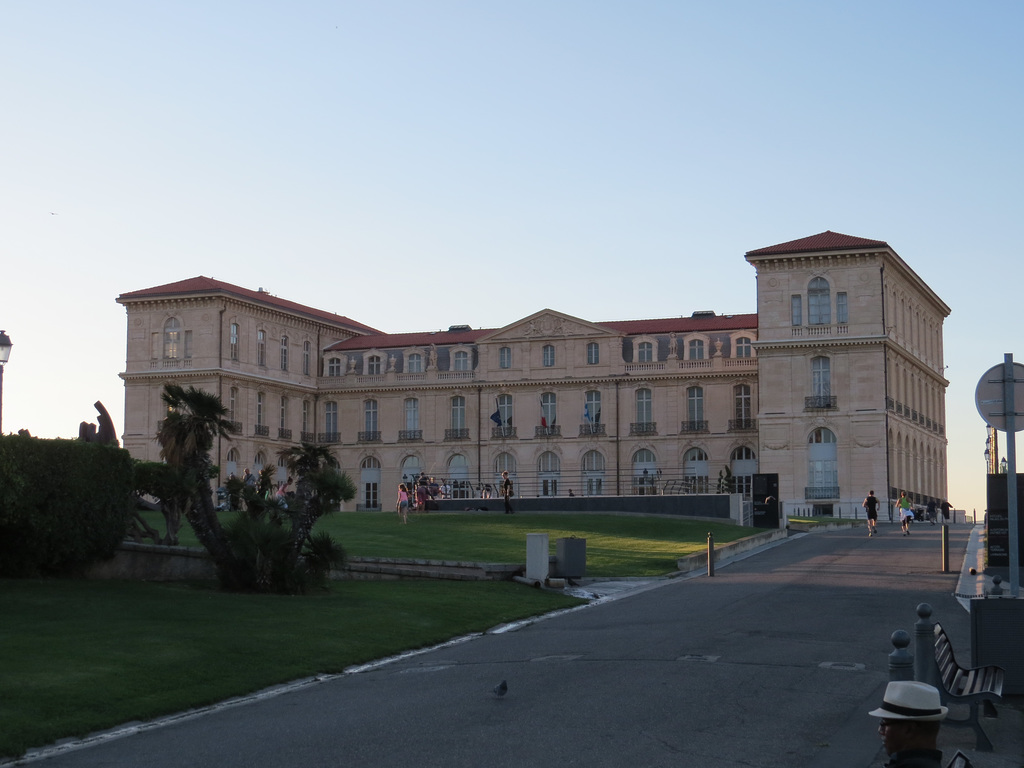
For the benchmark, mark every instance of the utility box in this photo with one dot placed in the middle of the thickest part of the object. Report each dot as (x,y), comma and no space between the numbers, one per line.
(997,626)
(571,558)
(537,559)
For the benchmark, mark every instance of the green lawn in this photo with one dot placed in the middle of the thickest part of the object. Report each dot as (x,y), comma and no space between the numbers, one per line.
(617,545)
(82,656)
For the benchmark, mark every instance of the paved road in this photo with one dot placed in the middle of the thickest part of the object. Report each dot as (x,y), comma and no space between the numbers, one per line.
(772,662)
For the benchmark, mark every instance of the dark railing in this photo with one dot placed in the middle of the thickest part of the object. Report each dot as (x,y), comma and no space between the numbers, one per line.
(370,436)
(236,425)
(503,433)
(552,431)
(457,434)
(693,426)
(820,402)
(643,428)
(329,437)
(307,437)
(822,492)
(284,434)
(262,430)
(592,429)
(409,435)
(742,425)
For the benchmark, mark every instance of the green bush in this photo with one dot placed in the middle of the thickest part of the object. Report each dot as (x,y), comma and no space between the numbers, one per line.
(64,504)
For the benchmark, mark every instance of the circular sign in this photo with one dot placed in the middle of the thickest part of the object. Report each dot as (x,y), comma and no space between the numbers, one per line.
(989,397)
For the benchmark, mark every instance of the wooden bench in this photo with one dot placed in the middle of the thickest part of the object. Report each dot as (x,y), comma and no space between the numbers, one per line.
(960,760)
(962,685)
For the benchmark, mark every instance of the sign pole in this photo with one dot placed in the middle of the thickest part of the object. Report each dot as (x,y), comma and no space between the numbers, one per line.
(1009,408)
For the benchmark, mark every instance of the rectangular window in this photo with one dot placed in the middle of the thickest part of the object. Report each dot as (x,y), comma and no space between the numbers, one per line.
(305,416)
(284,353)
(697,349)
(461,361)
(188,345)
(284,413)
(261,348)
(505,357)
(259,409)
(373,366)
(548,356)
(306,354)
(593,353)
(412,414)
(370,416)
(458,412)
(331,419)
(842,312)
(233,341)
(695,404)
(415,363)
(796,306)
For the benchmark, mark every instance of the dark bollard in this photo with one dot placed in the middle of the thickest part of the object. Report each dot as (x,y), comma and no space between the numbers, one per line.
(901,663)
(997,587)
(945,549)
(711,553)
(925,669)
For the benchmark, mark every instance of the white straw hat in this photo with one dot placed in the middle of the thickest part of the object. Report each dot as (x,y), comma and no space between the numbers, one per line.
(905,700)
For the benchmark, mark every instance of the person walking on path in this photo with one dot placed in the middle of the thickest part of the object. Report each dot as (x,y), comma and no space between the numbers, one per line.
(946,506)
(403,502)
(507,493)
(906,513)
(871,505)
(932,511)
(910,717)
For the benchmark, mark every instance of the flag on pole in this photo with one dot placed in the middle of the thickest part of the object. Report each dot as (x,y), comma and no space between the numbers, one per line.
(496,417)
(543,418)
(586,413)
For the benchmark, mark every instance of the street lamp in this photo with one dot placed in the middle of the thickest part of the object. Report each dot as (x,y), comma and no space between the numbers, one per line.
(5,355)
(988,461)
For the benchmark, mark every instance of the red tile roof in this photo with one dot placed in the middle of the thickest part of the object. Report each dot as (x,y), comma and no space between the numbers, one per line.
(207,285)
(826,241)
(708,324)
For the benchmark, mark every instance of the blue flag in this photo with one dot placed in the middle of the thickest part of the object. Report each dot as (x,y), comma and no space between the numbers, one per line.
(496,417)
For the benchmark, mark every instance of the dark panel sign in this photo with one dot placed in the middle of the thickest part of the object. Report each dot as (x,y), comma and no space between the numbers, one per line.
(765,493)
(999,521)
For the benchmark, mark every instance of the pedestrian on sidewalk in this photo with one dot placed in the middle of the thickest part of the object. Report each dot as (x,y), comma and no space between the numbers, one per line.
(911,714)
(871,505)
(506,492)
(403,502)
(906,513)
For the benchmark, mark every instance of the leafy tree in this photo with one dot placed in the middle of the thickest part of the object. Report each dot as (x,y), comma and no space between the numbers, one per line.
(195,419)
(269,547)
(169,485)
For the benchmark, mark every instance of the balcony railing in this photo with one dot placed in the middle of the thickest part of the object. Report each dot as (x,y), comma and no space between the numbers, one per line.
(261,430)
(409,435)
(237,426)
(820,403)
(457,434)
(821,492)
(592,429)
(694,426)
(552,431)
(643,428)
(307,437)
(742,425)
(369,436)
(329,437)
(284,434)
(503,433)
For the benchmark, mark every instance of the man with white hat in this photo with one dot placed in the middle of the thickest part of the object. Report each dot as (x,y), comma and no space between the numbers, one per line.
(910,717)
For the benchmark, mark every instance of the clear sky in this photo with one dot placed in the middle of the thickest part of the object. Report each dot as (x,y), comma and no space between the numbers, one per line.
(420,164)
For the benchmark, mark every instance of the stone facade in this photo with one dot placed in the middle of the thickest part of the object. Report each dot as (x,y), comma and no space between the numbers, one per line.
(842,396)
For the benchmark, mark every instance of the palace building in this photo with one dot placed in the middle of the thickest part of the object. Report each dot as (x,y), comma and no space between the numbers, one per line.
(835,383)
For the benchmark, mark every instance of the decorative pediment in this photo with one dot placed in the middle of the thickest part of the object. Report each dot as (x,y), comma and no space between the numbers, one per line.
(548,324)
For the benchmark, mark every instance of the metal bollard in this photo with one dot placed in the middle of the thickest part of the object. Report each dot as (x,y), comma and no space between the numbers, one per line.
(925,670)
(711,553)
(901,663)
(945,548)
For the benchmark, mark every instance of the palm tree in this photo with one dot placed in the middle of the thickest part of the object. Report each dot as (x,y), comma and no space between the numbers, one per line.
(195,419)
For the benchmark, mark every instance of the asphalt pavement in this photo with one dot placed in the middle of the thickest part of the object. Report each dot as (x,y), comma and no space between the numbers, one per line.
(773,661)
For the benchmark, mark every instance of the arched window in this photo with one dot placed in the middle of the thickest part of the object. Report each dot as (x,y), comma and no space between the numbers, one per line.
(172,338)
(645,472)
(744,465)
(695,470)
(369,479)
(549,470)
(822,467)
(819,303)
(593,473)
(458,474)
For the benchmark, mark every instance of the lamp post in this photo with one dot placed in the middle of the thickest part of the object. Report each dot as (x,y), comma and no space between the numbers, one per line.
(988,461)
(5,355)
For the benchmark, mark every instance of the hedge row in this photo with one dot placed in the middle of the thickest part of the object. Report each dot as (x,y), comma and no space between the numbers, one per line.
(64,504)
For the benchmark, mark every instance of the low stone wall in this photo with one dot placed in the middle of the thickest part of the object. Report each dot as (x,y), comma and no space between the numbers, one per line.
(151,562)
(699,560)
